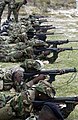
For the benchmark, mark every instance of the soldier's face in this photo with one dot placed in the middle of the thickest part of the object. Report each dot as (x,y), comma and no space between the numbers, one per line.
(18,76)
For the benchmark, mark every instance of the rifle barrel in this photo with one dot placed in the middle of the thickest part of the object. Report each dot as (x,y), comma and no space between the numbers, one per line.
(72,40)
(57,100)
(48,33)
(50,72)
(58,42)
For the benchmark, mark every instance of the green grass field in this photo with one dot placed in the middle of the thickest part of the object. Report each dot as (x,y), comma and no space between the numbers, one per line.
(65,85)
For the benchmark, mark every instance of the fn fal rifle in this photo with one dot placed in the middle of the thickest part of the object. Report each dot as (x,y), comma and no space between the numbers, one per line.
(44,28)
(51,73)
(41,36)
(61,100)
(69,102)
(59,42)
(38,20)
(55,51)
(37,16)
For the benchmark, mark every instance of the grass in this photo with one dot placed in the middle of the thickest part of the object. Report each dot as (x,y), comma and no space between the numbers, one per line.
(64,86)
(67,84)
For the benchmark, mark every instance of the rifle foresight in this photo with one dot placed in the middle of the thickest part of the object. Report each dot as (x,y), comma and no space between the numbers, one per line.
(68,70)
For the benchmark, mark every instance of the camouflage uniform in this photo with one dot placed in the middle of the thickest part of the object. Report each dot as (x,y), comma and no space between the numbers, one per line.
(6,75)
(6,82)
(16,54)
(46,88)
(18,106)
(22,106)
(17,5)
(17,32)
(2,6)
(12,7)
(21,51)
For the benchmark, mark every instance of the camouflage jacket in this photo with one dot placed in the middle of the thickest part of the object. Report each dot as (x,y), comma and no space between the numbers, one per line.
(18,105)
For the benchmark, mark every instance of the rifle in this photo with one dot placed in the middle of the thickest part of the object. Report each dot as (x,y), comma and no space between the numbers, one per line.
(69,102)
(47,33)
(40,36)
(61,100)
(42,20)
(59,42)
(51,73)
(38,104)
(39,50)
(44,28)
(38,20)
(37,16)
(54,49)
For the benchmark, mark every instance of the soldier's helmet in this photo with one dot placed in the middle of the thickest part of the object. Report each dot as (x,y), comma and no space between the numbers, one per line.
(38,43)
(45,88)
(30,64)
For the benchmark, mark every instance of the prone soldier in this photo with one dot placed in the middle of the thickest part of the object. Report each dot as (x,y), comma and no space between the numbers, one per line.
(20,103)
(14,76)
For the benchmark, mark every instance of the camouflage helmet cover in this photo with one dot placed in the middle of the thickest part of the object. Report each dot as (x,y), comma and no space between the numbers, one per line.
(32,64)
(46,88)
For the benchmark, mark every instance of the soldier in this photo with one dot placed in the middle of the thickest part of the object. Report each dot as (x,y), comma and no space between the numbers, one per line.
(12,8)
(19,81)
(2,6)
(18,5)
(44,92)
(14,77)
(19,104)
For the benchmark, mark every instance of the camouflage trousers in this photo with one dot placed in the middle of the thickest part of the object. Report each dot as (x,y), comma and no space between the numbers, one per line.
(15,13)
(2,6)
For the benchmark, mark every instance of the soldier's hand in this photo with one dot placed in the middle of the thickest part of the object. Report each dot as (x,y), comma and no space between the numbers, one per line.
(38,78)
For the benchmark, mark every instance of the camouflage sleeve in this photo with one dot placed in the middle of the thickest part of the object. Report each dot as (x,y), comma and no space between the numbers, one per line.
(21,103)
